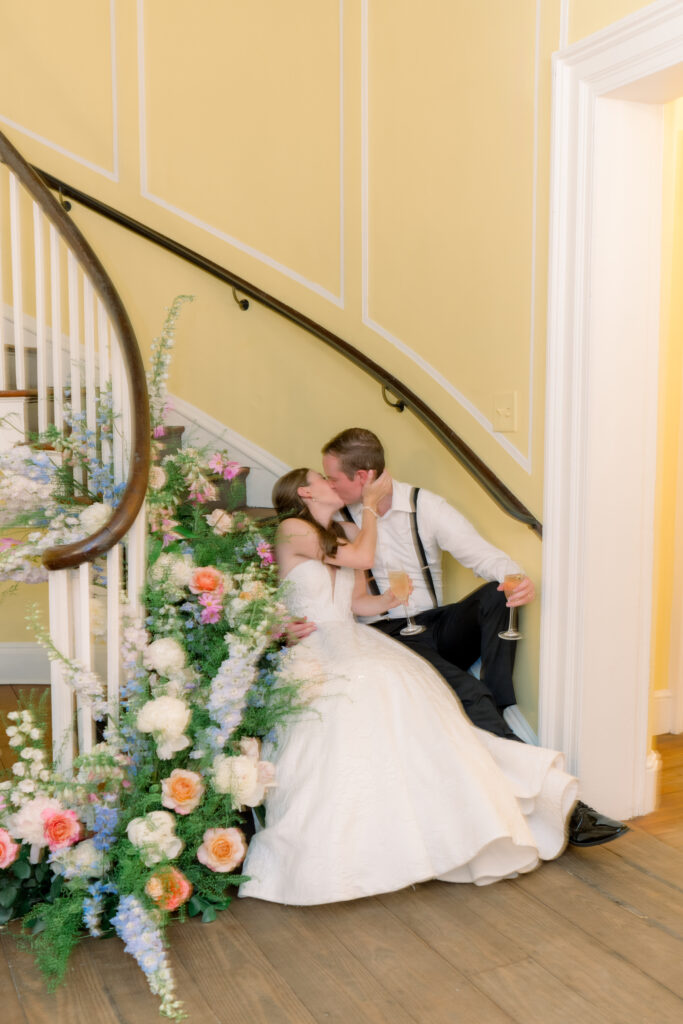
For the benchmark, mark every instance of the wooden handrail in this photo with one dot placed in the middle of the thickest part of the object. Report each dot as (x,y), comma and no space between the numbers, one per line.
(407,398)
(87,550)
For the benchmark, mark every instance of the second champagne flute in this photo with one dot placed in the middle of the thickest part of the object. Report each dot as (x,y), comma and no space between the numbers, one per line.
(510,584)
(399,584)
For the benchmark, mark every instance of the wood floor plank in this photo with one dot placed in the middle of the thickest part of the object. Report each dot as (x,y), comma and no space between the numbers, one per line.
(427,987)
(221,964)
(532,996)
(642,942)
(435,913)
(83,998)
(12,1010)
(531,930)
(330,980)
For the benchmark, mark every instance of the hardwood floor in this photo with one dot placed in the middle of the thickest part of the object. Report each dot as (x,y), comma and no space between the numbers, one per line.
(595,937)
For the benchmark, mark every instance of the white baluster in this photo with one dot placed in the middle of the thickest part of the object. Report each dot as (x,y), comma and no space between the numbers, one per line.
(117,375)
(17,290)
(104,368)
(41,316)
(114,628)
(80,579)
(74,335)
(90,375)
(61,694)
(3,332)
(137,552)
(57,355)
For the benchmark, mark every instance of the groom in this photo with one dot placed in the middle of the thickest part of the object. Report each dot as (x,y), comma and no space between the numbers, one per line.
(414,527)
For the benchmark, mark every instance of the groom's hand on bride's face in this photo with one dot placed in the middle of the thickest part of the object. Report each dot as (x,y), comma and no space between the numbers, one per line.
(297,630)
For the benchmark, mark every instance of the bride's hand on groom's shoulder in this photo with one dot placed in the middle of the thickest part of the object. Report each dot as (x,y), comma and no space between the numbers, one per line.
(297,630)
(376,487)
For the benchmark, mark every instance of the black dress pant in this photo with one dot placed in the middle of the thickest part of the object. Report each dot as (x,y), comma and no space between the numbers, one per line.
(456,635)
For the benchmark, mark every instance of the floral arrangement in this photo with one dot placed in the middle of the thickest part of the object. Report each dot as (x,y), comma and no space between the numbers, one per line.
(154,820)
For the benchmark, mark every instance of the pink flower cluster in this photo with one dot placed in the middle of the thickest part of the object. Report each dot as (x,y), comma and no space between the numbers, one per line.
(6,543)
(265,552)
(209,583)
(219,464)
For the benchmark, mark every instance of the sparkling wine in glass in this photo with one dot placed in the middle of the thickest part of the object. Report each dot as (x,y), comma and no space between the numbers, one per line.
(399,584)
(510,583)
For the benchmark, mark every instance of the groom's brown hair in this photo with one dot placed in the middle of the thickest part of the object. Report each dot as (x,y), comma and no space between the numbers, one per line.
(356,448)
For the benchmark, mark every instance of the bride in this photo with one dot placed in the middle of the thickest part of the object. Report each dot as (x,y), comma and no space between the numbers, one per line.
(385,782)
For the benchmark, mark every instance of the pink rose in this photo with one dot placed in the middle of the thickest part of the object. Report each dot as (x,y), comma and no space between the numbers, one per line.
(206,579)
(61,828)
(182,791)
(223,849)
(9,850)
(169,888)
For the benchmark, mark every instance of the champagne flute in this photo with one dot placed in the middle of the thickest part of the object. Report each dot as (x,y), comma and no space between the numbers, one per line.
(510,583)
(399,584)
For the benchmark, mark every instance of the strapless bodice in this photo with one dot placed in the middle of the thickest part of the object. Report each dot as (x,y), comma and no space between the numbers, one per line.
(320,592)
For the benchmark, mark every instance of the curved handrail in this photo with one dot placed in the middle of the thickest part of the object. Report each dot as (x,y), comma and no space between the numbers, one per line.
(86,550)
(494,487)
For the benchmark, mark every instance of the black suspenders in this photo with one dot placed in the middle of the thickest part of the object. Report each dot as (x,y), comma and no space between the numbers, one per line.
(419,548)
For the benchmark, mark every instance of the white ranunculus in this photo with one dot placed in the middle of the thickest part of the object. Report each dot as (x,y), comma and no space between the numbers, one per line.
(95,516)
(165,656)
(154,834)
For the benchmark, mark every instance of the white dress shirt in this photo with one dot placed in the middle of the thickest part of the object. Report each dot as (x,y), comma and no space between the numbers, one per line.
(441,528)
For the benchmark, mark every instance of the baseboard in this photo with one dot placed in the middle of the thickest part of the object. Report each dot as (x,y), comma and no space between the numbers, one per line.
(650,789)
(23,664)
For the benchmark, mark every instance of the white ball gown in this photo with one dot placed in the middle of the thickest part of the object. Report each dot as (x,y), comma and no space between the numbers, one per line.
(385,782)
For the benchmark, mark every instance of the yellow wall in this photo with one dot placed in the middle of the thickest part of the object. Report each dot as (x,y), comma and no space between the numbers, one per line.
(671,386)
(387,174)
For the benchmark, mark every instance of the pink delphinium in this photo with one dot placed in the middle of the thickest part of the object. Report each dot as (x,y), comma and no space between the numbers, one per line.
(159,431)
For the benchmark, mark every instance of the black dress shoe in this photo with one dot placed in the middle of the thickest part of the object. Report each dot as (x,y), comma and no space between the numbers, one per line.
(588,828)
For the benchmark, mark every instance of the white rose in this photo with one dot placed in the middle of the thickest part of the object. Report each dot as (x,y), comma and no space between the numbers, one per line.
(220,521)
(243,778)
(166,718)
(80,861)
(95,516)
(165,656)
(154,834)
(157,478)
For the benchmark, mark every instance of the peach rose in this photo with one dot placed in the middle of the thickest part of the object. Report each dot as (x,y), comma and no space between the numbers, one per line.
(9,850)
(206,580)
(182,791)
(223,849)
(62,829)
(169,888)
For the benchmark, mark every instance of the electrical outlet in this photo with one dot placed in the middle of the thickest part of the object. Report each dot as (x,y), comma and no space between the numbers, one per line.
(505,412)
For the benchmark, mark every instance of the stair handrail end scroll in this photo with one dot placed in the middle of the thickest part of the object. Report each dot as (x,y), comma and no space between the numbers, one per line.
(68,556)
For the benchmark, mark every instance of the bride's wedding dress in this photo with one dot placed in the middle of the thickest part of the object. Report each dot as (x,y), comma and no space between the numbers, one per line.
(385,782)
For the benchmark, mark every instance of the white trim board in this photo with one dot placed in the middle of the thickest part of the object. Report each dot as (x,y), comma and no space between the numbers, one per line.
(23,664)
(602,391)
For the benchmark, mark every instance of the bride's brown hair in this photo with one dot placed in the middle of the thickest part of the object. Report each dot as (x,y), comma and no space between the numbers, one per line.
(289,503)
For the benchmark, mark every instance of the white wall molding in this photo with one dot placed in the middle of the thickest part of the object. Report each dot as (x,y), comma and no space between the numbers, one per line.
(262,257)
(602,390)
(523,459)
(113,173)
(23,664)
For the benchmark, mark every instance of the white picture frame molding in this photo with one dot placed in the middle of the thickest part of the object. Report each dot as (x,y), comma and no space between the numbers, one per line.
(601,405)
